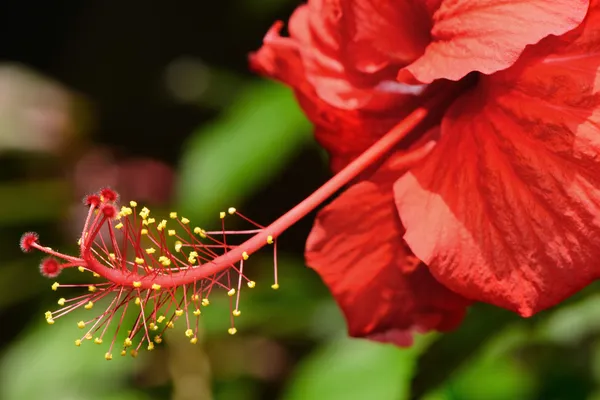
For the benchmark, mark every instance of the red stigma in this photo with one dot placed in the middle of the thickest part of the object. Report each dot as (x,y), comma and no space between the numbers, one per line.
(108,195)
(109,210)
(28,240)
(50,267)
(92,200)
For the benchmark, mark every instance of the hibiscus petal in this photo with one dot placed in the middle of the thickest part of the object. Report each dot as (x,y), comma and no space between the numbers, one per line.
(506,209)
(489,35)
(384,291)
(343,133)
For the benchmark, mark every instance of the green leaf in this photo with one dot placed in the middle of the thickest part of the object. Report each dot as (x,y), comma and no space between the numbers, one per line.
(494,373)
(236,155)
(21,201)
(347,369)
(45,364)
(453,349)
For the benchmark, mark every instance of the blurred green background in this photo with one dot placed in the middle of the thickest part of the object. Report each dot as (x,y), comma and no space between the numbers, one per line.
(155,100)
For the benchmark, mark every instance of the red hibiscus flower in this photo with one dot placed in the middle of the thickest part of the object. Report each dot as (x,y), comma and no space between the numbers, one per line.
(506,208)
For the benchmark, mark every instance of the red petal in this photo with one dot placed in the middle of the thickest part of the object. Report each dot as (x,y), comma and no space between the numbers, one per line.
(489,35)
(384,291)
(344,133)
(506,209)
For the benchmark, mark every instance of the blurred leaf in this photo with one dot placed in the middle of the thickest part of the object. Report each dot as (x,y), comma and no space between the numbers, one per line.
(241,151)
(572,323)
(45,364)
(494,373)
(349,369)
(22,201)
(451,350)
(23,270)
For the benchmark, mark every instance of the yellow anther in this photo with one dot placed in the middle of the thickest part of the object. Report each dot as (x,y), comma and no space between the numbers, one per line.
(189,333)
(236,313)
(50,321)
(164,261)
(144,213)
(185,221)
(197,312)
(98,340)
(179,312)
(155,286)
(195,297)
(112,256)
(158,339)
(160,319)
(150,250)
(92,288)
(126,211)
(151,221)
(231,292)
(95,275)
(162,225)
(194,340)
(134,353)
(222,214)
(275,286)
(119,225)
(231,210)
(61,301)
(144,231)
(88,336)
(205,302)
(152,326)
(81,324)
(128,342)
(192,260)
(48,314)
(270,239)
(170,325)
(232,331)
(55,286)
(81,269)
(138,301)
(178,246)
(108,356)
(79,242)
(145,222)
(123,353)
(78,342)
(139,260)
(245,255)
(251,284)
(173,215)
(133,203)
(89,305)
(137,284)
(171,232)
(200,231)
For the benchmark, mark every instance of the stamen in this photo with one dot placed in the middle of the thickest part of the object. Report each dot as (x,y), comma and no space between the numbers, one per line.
(147,254)
(142,268)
